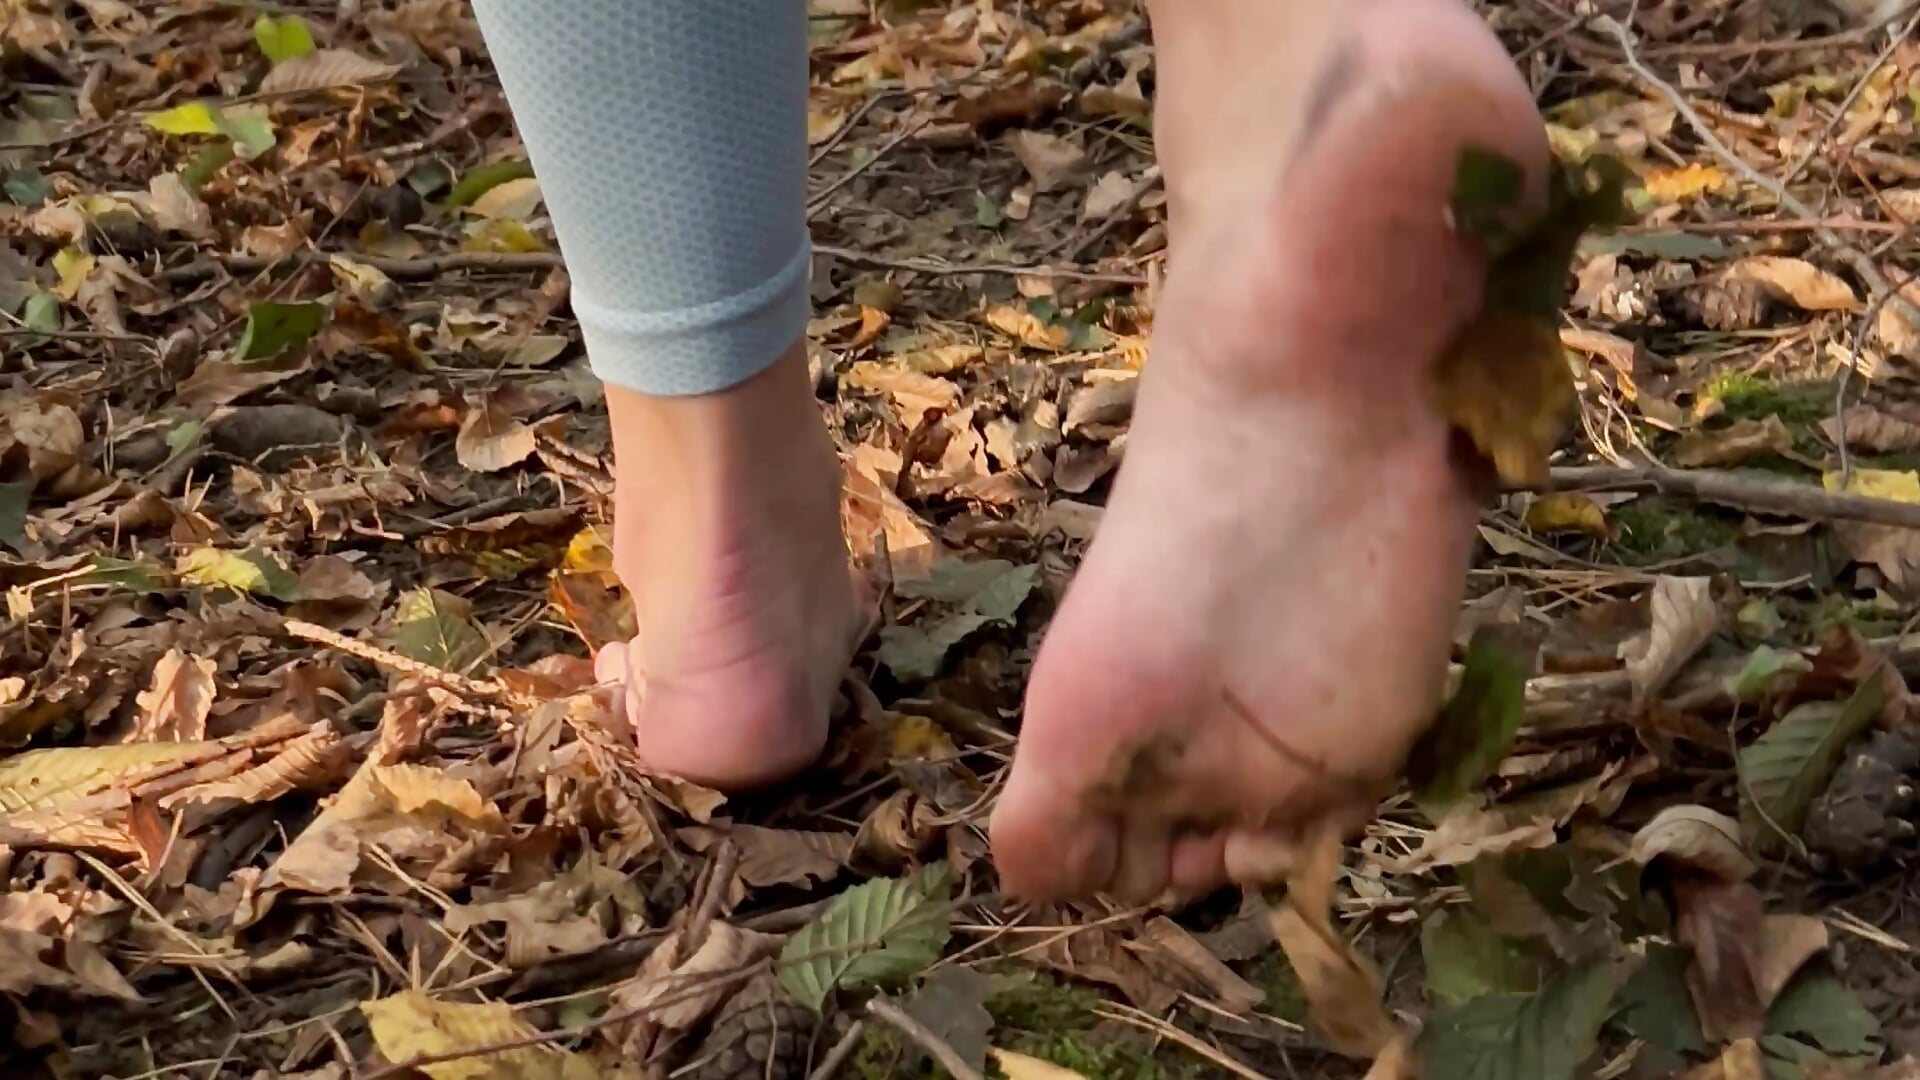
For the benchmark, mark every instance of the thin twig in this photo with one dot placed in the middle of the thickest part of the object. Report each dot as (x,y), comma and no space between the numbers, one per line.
(1846,103)
(389,659)
(819,202)
(409,269)
(1861,263)
(841,1051)
(1149,182)
(937,266)
(1147,1022)
(949,1058)
(1742,491)
(719,883)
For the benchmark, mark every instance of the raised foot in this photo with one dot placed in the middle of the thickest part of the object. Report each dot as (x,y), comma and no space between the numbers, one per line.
(1262,627)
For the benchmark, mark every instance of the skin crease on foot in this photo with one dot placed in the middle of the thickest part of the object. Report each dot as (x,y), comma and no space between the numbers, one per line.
(1269,604)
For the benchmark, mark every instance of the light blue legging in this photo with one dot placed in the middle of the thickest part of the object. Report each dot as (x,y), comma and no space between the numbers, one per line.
(670,141)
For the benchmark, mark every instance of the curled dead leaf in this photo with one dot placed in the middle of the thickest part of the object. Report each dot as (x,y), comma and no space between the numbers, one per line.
(325,68)
(491,438)
(1696,837)
(175,704)
(1867,428)
(1683,618)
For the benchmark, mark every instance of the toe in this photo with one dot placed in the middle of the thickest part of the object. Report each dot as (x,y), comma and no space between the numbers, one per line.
(1198,862)
(1046,847)
(1142,872)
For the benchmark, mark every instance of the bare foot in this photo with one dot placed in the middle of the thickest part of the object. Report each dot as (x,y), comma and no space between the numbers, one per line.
(1264,620)
(727,532)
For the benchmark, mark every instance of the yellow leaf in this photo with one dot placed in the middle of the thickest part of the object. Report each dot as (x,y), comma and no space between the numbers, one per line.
(1017,322)
(1505,383)
(1684,182)
(917,737)
(47,779)
(250,571)
(514,199)
(1568,511)
(1022,1067)
(501,236)
(1796,281)
(412,1024)
(1892,484)
(823,123)
(419,788)
(193,118)
(590,551)
(72,265)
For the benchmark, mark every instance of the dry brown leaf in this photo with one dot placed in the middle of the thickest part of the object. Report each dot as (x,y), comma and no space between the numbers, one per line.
(413,1024)
(1742,957)
(1343,991)
(1467,833)
(912,391)
(415,789)
(777,856)
(1101,401)
(877,520)
(1870,429)
(1200,967)
(1097,954)
(310,762)
(1684,617)
(492,439)
(324,68)
(1107,194)
(175,704)
(1743,440)
(1796,281)
(1505,383)
(1696,837)
(175,208)
(1049,159)
(222,382)
(671,981)
(50,432)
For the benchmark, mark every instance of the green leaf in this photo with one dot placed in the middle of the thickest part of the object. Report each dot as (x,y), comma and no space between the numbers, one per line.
(1764,665)
(1786,768)
(1486,183)
(282,37)
(250,571)
(1466,959)
(986,212)
(1660,245)
(41,312)
(875,934)
(428,178)
(1656,1006)
(436,627)
(1818,1006)
(274,327)
(25,187)
(250,130)
(134,576)
(181,436)
(985,593)
(1543,1036)
(487,177)
(14,498)
(204,164)
(192,118)
(1478,724)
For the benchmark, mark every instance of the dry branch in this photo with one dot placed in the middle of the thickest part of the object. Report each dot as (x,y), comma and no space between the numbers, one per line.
(1742,491)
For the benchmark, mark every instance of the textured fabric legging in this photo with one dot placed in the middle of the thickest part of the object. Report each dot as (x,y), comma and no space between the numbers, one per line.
(670,141)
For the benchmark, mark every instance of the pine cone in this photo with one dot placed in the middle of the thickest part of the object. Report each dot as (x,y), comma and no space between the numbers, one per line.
(762,1034)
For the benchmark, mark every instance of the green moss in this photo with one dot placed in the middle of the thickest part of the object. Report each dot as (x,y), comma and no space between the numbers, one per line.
(1659,529)
(1798,404)
(1043,1017)
(1273,974)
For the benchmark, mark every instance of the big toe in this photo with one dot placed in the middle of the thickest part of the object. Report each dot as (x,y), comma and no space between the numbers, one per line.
(1046,844)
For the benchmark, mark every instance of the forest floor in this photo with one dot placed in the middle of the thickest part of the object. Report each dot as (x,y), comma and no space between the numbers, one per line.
(303,496)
